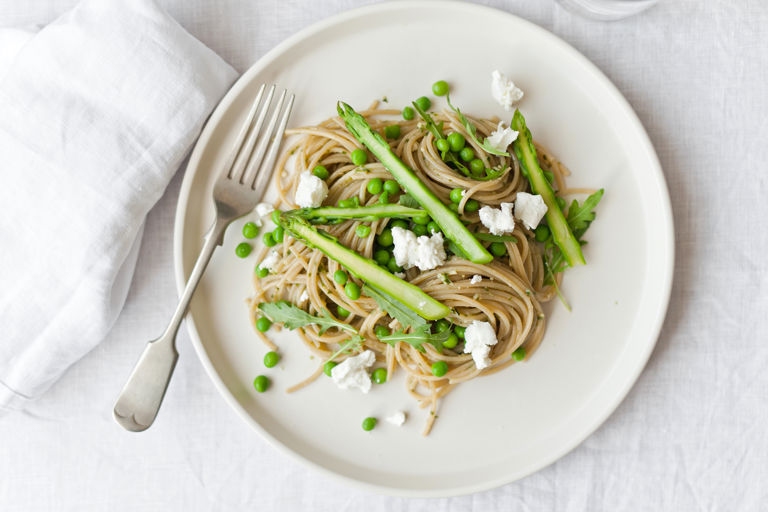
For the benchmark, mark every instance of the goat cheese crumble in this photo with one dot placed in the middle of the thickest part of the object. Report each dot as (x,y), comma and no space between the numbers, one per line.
(423,252)
(352,373)
(479,337)
(262,210)
(476,279)
(270,260)
(530,209)
(504,90)
(311,190)
(498,221)
(396,418)
(303,297)
(501,137)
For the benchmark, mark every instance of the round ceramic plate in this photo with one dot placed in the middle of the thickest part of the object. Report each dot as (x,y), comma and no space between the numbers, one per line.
(494,429)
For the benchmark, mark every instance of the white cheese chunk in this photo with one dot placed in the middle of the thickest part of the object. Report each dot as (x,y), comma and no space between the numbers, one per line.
(304,297)
(504,90)
(530,209)
(498,221)
(476,279)
(352,373)
(396,418)
(262,210)
(502,137)
(479,337)
(311,190)
(270,260)
(423,252)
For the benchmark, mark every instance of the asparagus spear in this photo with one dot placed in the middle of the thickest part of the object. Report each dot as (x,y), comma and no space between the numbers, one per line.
(561,232)
(365,269)
(363,213)
(448,222)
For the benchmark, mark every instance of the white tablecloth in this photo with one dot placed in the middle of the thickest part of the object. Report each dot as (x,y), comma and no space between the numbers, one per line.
(692,434)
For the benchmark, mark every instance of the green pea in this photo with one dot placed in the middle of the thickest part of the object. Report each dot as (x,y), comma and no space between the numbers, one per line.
(369,424)
(243,249)
(275,216)
(519,354)
(408,113)
(452,341)
(471,205)
(375,186)
(250,230)
(359,156)
(342,312)
(385,238)
(391,187)
(424,103)
(476,166)
(261,383)
(439,368)
(459,330)
(381,256)
(262,272)
(379,375)
(456,141)
(420,230)
(456,195)
(442,145)
(321,172)
(392,131)
(278,234)
(467,154)
(393,267)
(542,233)
(560,203)
(328,367)
(398,223)
(268,239)
(442,325)
(270,359)
(440,88)
(454,207)
(380,331)
(498,248)
(384,197)
(340,277)
(433,228)
(347,203)
(422,219)
(362,230)
(263,324)
(352,290)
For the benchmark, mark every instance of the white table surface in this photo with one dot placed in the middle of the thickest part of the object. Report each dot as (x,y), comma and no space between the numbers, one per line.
(691,435)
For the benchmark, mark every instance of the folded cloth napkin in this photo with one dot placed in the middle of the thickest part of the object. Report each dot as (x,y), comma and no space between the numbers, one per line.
(97,111)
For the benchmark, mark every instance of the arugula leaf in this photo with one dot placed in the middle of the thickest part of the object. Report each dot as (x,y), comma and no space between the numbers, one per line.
(488,237)
(394,307)
(580,216)
(472,131)
(409,201)
(293,317)
(418,337)
(353,343)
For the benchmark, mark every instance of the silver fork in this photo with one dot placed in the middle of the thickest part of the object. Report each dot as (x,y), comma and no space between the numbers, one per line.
(236,192)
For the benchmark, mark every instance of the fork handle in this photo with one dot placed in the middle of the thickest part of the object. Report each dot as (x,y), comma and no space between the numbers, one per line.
(140,399)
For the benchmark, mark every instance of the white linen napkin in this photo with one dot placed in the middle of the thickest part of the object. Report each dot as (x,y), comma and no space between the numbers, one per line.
(97,111)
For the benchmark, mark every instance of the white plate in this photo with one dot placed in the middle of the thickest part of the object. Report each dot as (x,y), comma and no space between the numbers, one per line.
(495,429)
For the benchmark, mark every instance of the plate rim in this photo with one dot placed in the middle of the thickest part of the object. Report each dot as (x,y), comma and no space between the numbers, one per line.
(405,5)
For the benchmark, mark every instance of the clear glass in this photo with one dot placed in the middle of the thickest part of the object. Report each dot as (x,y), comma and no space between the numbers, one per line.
(607,9)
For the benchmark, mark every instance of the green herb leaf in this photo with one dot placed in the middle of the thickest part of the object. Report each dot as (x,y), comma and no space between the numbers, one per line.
(408,201)
(355,343)
(472,131)
(488,237)
(580,216)
(293,317)
(394,307)
(418,337)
